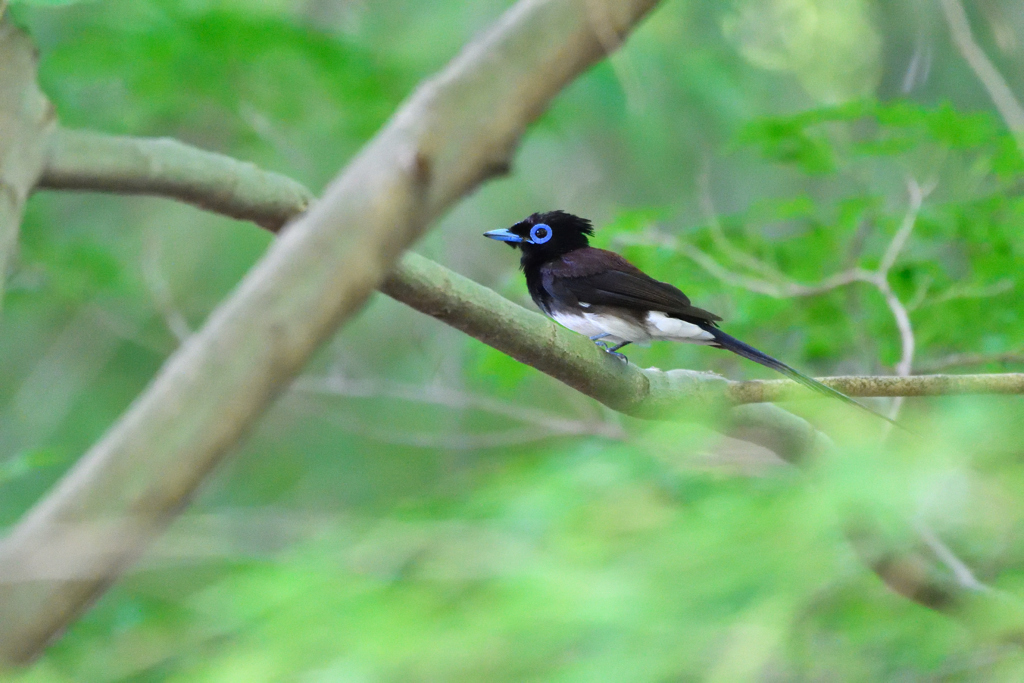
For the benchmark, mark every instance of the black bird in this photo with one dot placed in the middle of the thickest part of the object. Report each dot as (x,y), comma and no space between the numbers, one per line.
(602,295)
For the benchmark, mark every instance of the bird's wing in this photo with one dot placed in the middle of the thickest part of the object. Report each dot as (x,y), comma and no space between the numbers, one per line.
(616,282)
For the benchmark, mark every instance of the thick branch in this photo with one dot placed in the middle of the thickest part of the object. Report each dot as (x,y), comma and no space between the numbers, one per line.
(80,160)
(456,130)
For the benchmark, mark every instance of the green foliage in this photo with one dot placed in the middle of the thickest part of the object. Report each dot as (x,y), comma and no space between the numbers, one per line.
(857,159)
(456,515)
(226,79)
(592,562)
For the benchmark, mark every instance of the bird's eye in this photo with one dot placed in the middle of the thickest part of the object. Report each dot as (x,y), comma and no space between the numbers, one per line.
(540,233)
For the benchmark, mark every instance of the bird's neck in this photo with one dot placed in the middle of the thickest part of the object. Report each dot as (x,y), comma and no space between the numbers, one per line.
(533,258)
(530,262)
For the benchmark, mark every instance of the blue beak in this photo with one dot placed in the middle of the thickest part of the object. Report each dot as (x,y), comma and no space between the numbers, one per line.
(503,236)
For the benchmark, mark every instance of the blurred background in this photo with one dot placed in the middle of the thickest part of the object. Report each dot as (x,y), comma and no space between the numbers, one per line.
(419,507)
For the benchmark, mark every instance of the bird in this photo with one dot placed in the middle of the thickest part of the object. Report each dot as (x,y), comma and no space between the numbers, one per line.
(600,294)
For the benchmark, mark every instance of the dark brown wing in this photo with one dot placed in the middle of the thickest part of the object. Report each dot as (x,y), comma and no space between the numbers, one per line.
(603,278)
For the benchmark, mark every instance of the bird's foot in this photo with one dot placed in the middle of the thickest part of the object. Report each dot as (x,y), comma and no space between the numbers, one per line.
(615,351)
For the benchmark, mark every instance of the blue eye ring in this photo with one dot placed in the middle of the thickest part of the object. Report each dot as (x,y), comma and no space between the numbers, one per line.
(540,233)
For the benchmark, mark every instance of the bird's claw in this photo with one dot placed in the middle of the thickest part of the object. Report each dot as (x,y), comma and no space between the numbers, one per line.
(604,347)
(609,349)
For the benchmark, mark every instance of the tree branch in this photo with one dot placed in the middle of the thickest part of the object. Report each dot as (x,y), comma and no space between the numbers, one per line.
(456,130)
(755,391)
(82,160)
(1009,108)
(26,119)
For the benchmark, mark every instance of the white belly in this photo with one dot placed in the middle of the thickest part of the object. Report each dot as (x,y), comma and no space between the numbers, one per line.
(593,324)
(656,326)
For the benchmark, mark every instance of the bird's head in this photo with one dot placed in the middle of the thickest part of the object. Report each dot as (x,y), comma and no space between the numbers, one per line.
(544,236)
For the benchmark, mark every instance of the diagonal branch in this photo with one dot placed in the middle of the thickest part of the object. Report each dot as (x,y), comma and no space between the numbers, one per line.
(455,131)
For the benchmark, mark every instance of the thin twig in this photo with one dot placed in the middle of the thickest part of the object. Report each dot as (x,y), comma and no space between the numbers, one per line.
(903,324)
(718,236)
(446,441)
(961,291)
(964,576)
(907,345)
(160,292)
(541,423)
(784,289)
(959,360)
(917,195)
(1009,108)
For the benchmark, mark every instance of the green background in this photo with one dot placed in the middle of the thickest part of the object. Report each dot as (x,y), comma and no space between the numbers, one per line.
(447,514)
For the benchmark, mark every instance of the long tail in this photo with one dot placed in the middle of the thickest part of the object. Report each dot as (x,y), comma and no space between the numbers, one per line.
(730,343)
